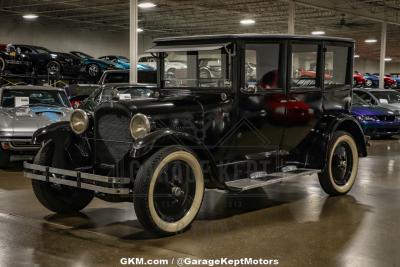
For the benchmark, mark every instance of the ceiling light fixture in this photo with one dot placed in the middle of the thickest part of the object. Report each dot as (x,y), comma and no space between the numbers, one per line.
(388,59)
(146,5)
(318,33)
(30,16)
(247,21)
(371,41)
(140,30)
(356,56)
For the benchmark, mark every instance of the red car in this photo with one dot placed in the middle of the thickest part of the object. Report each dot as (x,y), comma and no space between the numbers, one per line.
(389,81)
(358,79)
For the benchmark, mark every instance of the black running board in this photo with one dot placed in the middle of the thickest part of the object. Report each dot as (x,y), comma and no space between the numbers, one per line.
(272,178)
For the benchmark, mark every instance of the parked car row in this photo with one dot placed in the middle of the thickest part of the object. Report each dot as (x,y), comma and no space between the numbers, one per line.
(369,80)
(28,60)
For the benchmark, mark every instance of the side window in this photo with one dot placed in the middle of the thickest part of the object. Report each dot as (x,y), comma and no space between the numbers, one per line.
(365,97)
(336,65)
(262,66)
(304,65)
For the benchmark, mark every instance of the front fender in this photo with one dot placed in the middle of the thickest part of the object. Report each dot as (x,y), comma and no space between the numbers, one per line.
(154,141)
(68,147)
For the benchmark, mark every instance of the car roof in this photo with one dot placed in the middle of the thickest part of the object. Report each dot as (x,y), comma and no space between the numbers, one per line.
(252,36)
(31,87)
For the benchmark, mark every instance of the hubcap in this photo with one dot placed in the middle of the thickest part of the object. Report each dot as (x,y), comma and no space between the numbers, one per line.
(342,163)
(174,191)
(93,70)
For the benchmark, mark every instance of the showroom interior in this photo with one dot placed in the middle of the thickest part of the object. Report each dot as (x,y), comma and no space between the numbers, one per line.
(75,59)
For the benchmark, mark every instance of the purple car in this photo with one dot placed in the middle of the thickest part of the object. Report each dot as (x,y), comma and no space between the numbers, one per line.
(376,121)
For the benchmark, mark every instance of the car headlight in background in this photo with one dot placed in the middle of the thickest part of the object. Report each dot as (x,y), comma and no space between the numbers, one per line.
(79,121)
(140,126)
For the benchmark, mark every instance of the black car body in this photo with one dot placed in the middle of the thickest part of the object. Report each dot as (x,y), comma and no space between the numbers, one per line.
(13,62)
(237,131)
(45,62)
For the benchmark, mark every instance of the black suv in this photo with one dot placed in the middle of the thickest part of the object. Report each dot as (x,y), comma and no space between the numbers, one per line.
(235,130)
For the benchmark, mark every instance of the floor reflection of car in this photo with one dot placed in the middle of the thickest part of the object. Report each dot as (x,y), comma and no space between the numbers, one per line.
(23,110)
(376,121)
(385,98)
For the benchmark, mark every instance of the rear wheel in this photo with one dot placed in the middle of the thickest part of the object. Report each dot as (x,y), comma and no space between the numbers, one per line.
(340,173)
(93,70)
(169,190)
(53,68)
(58,198)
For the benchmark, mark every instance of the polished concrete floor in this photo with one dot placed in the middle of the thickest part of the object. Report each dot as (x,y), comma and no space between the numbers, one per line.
(294,222)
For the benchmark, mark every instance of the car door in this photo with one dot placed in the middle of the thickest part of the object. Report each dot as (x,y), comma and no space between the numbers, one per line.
(262,101)
(304,91)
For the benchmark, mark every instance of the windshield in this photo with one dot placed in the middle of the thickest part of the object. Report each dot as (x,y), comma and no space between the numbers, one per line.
(391,97)
(82,55)
(15,98)
(358,101)
(124,59)
(42,50)
(116,77)
(126,92)
(205,69)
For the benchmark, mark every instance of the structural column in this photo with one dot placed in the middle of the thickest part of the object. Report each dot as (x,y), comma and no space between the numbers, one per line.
(133,43)
(382,56)
(292,6)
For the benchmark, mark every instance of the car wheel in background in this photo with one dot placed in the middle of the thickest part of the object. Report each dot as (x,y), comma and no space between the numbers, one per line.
(93,70)
(2,64)
(53,68)
(368,83)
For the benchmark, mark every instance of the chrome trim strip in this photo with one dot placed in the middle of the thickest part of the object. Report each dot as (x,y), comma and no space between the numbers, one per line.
(112,191)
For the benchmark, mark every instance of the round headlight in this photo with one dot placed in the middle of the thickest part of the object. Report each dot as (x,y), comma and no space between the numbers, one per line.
(79,121)
(140,126)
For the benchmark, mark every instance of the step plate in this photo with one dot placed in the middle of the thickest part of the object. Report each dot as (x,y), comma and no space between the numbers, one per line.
(273,178)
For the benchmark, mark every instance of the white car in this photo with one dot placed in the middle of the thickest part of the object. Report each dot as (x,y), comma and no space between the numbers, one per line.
(171,66)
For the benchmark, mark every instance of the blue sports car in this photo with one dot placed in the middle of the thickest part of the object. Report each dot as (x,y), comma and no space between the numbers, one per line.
(124,62)
(94,67)
(375,121)
(371,80)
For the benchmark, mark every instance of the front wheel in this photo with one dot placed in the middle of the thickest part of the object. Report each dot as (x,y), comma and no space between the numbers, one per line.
(368,83)
(169,190)
(58,198)
(340,172)
(53,68)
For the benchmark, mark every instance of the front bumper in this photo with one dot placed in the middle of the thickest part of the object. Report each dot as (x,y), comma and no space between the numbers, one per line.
(77,179)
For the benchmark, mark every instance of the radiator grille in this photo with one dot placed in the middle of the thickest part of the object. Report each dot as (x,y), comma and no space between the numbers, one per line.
(113,138)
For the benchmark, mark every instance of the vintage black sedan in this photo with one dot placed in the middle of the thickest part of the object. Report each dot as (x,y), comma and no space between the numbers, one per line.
(231,131)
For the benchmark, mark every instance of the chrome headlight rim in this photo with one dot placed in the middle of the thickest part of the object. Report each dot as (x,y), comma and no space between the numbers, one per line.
(85,121)
(146,122)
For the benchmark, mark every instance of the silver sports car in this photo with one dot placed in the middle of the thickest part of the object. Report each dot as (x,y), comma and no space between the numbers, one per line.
(23,110)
